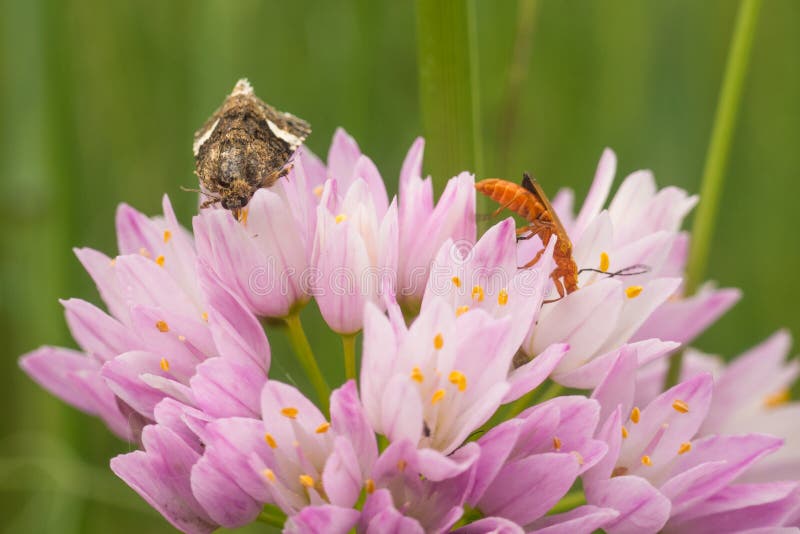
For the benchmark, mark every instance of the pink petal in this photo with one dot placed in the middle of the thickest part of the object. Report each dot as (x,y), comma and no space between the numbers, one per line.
(585,518)
(401,415)
(598,192)
(53,368)
(642,507)
(529,376)
(684,319)
(96,332)
(525,490)
(225,388)
(323,519)
(160,474)
(491,525)
(348,419)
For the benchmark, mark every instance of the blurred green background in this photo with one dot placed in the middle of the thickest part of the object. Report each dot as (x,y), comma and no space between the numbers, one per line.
(99,100)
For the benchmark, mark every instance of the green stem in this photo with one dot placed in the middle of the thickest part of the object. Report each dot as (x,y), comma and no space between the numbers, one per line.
(272,515)
(302,348)
(718,149)
(349,348)
(570,501)
(448,76)
(527,400)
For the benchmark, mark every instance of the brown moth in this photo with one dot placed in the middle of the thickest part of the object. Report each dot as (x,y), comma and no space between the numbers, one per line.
(245,145)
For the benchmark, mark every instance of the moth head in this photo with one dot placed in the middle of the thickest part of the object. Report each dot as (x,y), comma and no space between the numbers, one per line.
(237,195)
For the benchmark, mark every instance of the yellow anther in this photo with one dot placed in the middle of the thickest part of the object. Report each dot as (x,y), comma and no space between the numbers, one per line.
(477,293)
(306,481)
(437,396)
(369,485)
(340,218)
(269,474)
(556,443)
(144,252)
(624,432)
(646,460)
(290,412)
(204,316)
(318,190)
(162,326)
(160,261)
(458,378)
(438,341)
(401,465)
(270,440)
(164,365)
(578,456)
(633,291)
(778,398)
(635,414)
(181,338)
(680,406)
(243,216)
(684,448)
(502,297)
(416,375)
(604,261)
(461,310)
(167,236)
(112,262)
(321,429)
(456,281)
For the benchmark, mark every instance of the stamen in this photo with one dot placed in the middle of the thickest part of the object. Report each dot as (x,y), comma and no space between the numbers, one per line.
(456,281)
(556,443)
(684,448)
(204,316)
(321,429)
(112,261)
(604,261)
(635,414)
(164,365)
(162,326)
(680,406)
(160,261)
(401,465)
(270,440)
(340,218)
(181,338)
(633,291)
(502,297)
(417,375)
(578,456)
(461,310)
(477,293)
(438,341)
(144,252)
(646,460)
(778,398)
(437,396)
(269,474)
(369,486)
(167,236)
(318,190)
(290,412)
(243,216)
(458,378)
(306,481)
(624,432)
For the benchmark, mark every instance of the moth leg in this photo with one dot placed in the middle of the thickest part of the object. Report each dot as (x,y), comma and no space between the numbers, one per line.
(534,260)
(209,202)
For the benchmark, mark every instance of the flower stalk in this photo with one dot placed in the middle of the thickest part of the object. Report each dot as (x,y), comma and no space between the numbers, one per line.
(718,150)
(302,349)
(349,349)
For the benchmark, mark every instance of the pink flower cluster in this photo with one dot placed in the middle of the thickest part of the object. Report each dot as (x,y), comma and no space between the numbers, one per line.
(439,433)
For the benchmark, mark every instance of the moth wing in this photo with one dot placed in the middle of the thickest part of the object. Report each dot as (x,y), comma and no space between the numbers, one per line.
(286,127)
(533,187)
